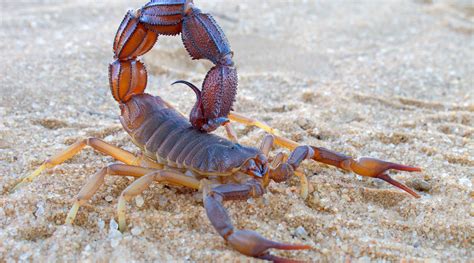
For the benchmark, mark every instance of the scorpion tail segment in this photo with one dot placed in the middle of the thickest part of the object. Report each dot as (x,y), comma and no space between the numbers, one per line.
(218,91)
(127,78)
(215,101)
(132,39)
(365,166)
(164,16)
(203,37)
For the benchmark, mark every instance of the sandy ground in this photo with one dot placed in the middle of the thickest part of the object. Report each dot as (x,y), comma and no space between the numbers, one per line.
(389,79)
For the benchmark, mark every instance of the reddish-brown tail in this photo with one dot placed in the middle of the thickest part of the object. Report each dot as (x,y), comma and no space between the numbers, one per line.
(203,39)
(127,75)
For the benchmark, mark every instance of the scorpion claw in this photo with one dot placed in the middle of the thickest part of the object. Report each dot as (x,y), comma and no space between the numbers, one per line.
(396,183)
(372,167)
(252,244)
(276,259)
(376,168)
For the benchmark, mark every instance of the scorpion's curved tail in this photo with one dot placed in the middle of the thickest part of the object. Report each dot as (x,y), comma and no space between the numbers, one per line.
(203,39)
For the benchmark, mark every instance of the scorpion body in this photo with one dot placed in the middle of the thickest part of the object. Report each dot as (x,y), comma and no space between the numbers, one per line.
(171,145)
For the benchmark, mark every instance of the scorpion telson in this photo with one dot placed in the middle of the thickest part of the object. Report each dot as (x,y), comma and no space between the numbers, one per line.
(180,152)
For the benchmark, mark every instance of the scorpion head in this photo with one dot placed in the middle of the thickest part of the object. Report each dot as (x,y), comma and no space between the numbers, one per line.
(256,166)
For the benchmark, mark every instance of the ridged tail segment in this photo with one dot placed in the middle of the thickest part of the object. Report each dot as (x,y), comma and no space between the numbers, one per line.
(132,39)
(204,39)
(219,90)
(127,78)
(163,16)
(127,75)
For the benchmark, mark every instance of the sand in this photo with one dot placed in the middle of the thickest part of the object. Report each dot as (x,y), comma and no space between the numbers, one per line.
(391,80)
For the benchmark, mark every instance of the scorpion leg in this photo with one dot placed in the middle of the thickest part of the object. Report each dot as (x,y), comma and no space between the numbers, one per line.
(93,184)
(267,144)
(231,134)
(246,242)
(284,167)
(139,185)
(364,166)
(99,145)
(233,116)
(280,158)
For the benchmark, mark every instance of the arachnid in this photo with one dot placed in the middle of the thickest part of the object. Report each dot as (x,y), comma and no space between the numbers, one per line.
(181,152)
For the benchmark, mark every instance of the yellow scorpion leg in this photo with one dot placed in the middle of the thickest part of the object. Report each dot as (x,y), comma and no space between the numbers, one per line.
(93,184)
(141,184)
(97,144)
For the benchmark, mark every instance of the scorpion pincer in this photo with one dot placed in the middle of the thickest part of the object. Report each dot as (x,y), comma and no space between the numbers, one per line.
(179,152)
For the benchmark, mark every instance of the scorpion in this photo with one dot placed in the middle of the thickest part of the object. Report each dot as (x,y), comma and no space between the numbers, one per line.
(183,153)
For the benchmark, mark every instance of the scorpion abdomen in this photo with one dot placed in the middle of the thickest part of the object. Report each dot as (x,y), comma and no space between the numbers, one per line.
(167,137)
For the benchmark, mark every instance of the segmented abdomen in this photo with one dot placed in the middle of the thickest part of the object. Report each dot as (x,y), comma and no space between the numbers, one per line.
(167,137)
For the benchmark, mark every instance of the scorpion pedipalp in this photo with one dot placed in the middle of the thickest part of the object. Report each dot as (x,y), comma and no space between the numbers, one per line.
(247,242)
(376,168)
(253,244)
(365,166)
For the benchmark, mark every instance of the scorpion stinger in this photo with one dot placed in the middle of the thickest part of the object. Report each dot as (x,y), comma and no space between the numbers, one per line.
(197,113)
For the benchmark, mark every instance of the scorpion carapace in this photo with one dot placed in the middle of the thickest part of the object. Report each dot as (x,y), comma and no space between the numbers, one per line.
(202,38)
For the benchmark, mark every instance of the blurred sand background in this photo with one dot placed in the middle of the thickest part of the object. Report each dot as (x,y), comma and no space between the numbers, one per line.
(387,79)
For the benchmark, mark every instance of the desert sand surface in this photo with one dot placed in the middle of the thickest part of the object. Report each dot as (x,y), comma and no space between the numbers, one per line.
(386,79)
